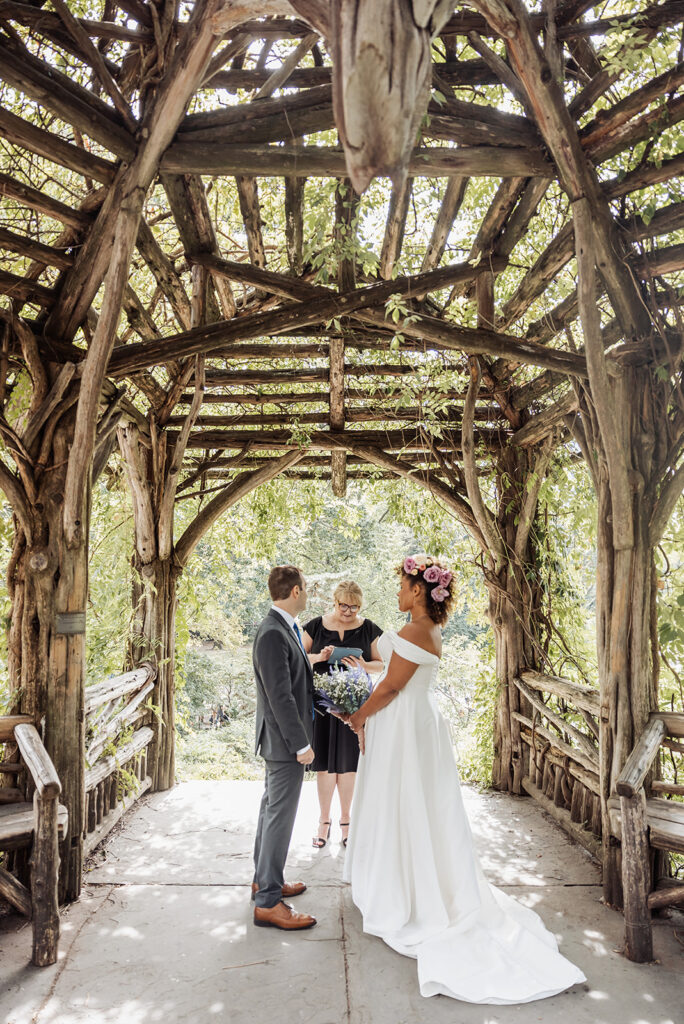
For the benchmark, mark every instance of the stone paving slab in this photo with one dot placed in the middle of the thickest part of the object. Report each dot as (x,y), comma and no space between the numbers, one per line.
(163,932)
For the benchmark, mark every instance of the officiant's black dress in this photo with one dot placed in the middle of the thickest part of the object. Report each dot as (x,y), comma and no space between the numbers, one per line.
(335,746)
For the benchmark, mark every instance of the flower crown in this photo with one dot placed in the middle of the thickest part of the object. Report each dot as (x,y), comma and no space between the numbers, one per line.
(432,573)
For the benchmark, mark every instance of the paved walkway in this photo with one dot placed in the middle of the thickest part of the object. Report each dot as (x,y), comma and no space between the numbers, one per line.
(163,931)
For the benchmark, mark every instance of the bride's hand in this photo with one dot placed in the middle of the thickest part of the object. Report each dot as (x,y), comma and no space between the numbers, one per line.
(342,715)
(361,737)
(354,722)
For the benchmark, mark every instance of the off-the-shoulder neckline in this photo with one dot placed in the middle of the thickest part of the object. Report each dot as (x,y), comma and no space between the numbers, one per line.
(403,639)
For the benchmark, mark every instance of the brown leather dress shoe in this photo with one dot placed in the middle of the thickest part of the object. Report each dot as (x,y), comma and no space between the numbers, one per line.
(289,890)
(282,916)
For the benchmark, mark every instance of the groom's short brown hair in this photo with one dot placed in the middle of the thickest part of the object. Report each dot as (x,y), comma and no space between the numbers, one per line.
(281,580)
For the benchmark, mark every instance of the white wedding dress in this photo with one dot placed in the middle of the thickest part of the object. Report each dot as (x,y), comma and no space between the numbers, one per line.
(413,869)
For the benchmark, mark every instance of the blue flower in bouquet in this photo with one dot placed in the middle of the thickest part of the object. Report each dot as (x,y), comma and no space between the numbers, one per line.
(344,689)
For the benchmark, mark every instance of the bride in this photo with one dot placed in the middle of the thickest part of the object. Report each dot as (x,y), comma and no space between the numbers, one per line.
(414,873)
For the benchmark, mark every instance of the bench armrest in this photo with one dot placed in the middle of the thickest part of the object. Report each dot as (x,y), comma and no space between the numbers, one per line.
(37,761)
(640,760)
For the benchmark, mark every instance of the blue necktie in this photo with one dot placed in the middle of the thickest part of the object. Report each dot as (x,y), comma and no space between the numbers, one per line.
(299,637)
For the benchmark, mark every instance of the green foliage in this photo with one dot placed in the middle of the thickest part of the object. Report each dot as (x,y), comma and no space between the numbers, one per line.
(109,605)
(213,678)
(670,598)
(225,753)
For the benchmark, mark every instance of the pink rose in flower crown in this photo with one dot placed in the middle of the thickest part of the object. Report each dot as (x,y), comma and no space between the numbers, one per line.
(439,594)
(432,574)
(445,578)
(410,566)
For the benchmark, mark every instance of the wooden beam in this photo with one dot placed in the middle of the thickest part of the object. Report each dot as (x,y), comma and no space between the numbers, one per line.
(15,893)
(576,174)
(376,397)
(323,162)
(469,72)
(641,759)
(476,124)
(131,358)
(394,227)
(454,194)
(64,97)
(479,341)
(301,375)
(324,440)
(50,146)
(369,414)
(248,197)
(25,290)
(581,696)
(164,273)
(38,251)
(268,120)
(542,423)
(611,124)
(96,60)
(107,253)
(188,201)
(35,199)
(579,738)
(326,306)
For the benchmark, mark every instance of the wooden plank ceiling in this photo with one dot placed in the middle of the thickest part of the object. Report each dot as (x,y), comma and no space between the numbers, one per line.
(340,322)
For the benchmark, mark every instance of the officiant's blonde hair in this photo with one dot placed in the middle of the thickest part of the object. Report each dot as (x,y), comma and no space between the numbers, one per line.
(350,589)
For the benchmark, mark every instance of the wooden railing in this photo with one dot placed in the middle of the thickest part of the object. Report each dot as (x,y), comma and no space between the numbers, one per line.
(563,764)
(116,749)
(643,821)
(37,826)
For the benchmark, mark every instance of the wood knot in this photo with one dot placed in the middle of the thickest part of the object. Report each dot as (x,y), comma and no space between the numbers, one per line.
(38,560)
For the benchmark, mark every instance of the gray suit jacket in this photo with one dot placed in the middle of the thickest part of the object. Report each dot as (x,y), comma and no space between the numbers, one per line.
(284,682)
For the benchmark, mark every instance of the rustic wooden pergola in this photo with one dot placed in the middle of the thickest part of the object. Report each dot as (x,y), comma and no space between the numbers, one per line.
(236,372)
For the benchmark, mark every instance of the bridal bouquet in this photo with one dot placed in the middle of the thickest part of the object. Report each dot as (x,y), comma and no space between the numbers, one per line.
(344,689)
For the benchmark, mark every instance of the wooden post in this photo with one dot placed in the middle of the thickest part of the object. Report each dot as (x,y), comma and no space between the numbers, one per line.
(44,871)
(636,878)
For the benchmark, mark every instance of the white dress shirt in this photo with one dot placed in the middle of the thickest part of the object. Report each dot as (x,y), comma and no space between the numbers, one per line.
(291,623)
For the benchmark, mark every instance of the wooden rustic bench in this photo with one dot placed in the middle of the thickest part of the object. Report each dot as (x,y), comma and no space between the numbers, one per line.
(38,825)
(643,823)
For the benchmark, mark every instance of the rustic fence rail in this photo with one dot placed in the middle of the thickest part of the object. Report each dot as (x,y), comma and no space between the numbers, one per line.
(30,830)
(646,822)
(562,766)
(117,740)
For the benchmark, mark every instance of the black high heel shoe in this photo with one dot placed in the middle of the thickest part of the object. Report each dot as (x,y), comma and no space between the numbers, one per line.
(344,824)
(317,841)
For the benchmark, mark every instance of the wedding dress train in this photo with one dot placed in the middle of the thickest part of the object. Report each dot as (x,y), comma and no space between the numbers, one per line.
(413,869)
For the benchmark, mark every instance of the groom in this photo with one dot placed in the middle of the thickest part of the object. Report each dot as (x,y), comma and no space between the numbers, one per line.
(284,727)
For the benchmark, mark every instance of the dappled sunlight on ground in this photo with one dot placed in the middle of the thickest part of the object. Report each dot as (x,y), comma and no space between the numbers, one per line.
(164,933)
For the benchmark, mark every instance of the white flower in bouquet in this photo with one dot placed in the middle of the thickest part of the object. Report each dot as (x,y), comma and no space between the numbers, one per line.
(344,689)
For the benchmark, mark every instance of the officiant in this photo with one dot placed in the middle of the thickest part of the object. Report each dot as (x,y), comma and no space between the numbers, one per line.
(335,745)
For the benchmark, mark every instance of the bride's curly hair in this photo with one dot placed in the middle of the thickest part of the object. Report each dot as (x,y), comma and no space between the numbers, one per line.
(436,582)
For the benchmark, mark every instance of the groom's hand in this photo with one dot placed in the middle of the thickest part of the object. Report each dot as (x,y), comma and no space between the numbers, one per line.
(307,757)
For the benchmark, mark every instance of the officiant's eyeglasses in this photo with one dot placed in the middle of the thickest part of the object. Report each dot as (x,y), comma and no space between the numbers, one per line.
(348,607)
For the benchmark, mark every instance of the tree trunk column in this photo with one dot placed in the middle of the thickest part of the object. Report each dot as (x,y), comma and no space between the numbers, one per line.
(624,608)
(153,640)
(515,599)
(48,584)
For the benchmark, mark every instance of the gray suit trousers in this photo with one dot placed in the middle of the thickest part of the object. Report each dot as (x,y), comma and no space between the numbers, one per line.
(282,786)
